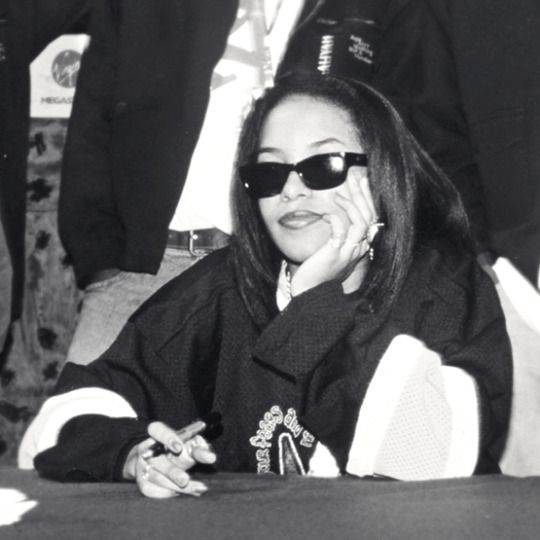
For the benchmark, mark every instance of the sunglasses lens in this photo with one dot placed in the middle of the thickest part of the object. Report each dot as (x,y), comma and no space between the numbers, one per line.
(323,171)
(264,179)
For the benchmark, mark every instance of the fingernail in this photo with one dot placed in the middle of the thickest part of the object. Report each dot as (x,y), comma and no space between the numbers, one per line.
(177,447)
(213,457)
(181,480)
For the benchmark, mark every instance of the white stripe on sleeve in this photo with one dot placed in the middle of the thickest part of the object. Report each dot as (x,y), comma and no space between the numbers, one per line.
(419,419)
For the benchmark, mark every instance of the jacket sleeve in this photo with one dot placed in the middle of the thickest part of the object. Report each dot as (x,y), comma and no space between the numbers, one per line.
(461,318)
(416,69)
(86,205)
(98,413)
(160,367)
(101,410)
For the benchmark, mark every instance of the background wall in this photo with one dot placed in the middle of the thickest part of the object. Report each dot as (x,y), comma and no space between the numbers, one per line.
(42,336)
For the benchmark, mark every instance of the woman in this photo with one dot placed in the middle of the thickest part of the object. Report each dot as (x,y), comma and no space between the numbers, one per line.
(347,328)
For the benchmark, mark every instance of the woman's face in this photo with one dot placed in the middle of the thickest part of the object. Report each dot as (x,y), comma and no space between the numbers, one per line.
(296,129)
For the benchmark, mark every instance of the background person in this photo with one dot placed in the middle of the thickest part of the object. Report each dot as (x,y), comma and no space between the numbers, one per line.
(26,28)
(312,319)
(494,46)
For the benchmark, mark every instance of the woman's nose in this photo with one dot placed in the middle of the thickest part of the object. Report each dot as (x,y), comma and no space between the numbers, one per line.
(294,187)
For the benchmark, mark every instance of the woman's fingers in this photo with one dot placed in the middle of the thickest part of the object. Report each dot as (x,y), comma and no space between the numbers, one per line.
(160,478)
(359,210)
(348,242)
(150,478)
(354,206)
(374,223)
(166,475)
(184,452)
(364,199)
(196,450)
(355,240)
(358,185)
(363,185)
(338,230)
(167,436)
(201,451)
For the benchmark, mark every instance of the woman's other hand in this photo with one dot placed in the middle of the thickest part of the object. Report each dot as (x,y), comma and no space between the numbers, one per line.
(344,255)
(166,475)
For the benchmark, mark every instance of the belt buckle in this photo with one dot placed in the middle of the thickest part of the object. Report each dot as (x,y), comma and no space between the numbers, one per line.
(193,250)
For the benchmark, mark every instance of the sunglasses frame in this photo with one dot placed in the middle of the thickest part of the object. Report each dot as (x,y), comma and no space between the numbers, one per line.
(249,171)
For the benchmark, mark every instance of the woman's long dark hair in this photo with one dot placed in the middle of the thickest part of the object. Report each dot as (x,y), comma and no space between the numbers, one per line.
(415,200)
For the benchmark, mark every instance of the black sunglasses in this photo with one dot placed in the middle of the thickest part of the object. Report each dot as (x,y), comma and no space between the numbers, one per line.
(322,171)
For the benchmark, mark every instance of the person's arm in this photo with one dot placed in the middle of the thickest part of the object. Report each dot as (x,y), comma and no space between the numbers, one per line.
(443,391)
(466,326)
(102,410)
(165,475)
(416,68)
(87,207)
(97,414)
(108,443)
(99,425)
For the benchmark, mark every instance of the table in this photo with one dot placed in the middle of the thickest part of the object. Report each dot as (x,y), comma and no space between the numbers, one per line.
(243,506)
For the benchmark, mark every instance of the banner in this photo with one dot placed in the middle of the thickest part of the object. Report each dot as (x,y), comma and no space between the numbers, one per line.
(54,76)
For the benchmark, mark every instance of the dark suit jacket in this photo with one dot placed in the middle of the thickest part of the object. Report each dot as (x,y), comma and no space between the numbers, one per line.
(26,27)
(496,49)
(142,95)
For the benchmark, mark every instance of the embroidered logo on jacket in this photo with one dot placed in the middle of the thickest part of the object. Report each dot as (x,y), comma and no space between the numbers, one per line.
(281,430)
(361,49)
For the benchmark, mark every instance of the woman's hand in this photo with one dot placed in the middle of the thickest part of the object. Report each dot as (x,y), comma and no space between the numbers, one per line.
(343,256)
(166,475)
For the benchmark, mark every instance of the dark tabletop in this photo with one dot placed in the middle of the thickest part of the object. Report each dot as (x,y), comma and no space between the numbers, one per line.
(263,507)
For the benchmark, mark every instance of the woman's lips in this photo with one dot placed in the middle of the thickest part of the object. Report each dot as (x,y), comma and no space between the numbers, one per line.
(299,219)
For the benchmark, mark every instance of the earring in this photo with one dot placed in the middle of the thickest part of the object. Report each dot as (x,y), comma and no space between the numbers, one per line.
(371,253)
(373,228)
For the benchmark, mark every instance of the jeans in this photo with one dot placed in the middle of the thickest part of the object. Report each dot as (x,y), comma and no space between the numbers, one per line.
(108,304)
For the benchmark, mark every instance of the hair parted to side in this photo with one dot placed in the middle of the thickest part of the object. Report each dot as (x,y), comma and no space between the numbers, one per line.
(415,200)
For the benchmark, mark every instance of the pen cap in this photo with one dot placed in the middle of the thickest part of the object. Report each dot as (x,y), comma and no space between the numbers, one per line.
(213,428)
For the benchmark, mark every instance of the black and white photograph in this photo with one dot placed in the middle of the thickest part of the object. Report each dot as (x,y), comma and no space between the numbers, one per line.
(269,269)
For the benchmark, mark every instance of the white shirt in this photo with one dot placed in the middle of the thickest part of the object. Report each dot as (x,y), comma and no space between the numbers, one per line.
(205,200)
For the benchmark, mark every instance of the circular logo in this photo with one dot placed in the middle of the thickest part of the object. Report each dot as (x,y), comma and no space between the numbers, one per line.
(65,68)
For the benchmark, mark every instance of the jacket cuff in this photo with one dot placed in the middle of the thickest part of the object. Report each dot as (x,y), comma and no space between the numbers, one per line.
(91,448)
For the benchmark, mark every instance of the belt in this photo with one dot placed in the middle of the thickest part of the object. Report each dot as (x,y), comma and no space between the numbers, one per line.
(197,241)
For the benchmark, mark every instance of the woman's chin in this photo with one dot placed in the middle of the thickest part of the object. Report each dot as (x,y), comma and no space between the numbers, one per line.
(300,251)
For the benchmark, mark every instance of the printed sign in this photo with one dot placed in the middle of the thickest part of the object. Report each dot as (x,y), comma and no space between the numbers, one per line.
(54,76)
